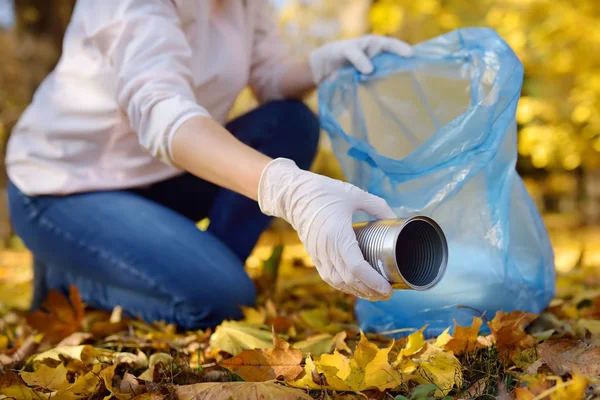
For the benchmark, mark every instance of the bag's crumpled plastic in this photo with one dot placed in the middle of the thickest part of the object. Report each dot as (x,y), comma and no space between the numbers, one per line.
(435,135)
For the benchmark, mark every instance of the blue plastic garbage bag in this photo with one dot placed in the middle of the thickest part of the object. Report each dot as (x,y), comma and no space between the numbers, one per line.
(435,135)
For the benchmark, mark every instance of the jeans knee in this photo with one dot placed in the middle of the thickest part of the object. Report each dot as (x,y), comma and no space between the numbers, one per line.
(212,306)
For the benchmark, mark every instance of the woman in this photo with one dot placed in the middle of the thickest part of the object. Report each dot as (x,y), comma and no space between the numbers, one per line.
(123,148)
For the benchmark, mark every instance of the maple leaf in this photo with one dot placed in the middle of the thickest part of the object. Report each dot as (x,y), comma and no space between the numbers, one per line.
(239,390)
(232,337)
(429,363)
(567,355)
(464,339)
(260,365)
(415,343)
(307,379)
(368,368)
(440,368)
(12,387)
(508,332)
(55,380)
(61,317)
(443,339)
(572,389)
(47,378)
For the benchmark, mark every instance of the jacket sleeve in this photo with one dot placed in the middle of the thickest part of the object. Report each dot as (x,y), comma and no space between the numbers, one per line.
(150,55)
(270,55)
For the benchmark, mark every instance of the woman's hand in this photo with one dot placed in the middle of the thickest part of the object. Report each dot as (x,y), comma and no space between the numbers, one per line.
(320,209)
(329,58)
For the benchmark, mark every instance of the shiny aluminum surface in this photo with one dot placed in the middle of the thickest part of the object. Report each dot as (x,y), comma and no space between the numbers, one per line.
(411,254)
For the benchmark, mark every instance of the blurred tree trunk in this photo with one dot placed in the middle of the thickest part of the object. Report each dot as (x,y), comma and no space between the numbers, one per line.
(29,52)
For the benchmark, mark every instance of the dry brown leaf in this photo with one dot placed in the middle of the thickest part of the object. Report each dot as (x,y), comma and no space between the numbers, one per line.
(239,390)
(261,365)
(61,317)
(15,356)
(154,364)
(464,338)
(131,385)
(567,355)
(508,331)
(476,389)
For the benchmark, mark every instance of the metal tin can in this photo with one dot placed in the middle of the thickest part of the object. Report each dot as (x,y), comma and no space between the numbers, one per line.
(411,254)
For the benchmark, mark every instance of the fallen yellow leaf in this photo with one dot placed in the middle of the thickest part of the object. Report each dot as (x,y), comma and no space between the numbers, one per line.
(232,337)
(239,390)
(85,353)
(316,345)
(307,381)
(368,368)
(82,388)
(415,343)
(572,389)
(464,338)
(440,368)
(443,339)
(429,364)
(254,316)
(47,378)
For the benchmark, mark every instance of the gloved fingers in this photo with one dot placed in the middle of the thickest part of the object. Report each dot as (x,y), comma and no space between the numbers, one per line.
(377,44)
(371,295)
(357,57)
(340,284)
(360,270)
(336,262)
(373,205)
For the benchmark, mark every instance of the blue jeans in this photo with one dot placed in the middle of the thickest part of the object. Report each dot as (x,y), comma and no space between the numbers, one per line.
(140,248)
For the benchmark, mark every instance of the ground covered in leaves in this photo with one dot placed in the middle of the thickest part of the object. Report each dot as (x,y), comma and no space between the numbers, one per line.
(300,342)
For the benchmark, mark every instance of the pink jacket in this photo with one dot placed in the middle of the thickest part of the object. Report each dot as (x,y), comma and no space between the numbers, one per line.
(131,72)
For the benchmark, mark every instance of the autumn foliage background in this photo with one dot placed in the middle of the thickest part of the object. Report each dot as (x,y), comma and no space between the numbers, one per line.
(302,341)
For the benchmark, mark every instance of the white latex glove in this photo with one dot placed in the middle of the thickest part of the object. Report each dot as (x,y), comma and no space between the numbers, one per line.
(320,209)
(329,58)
